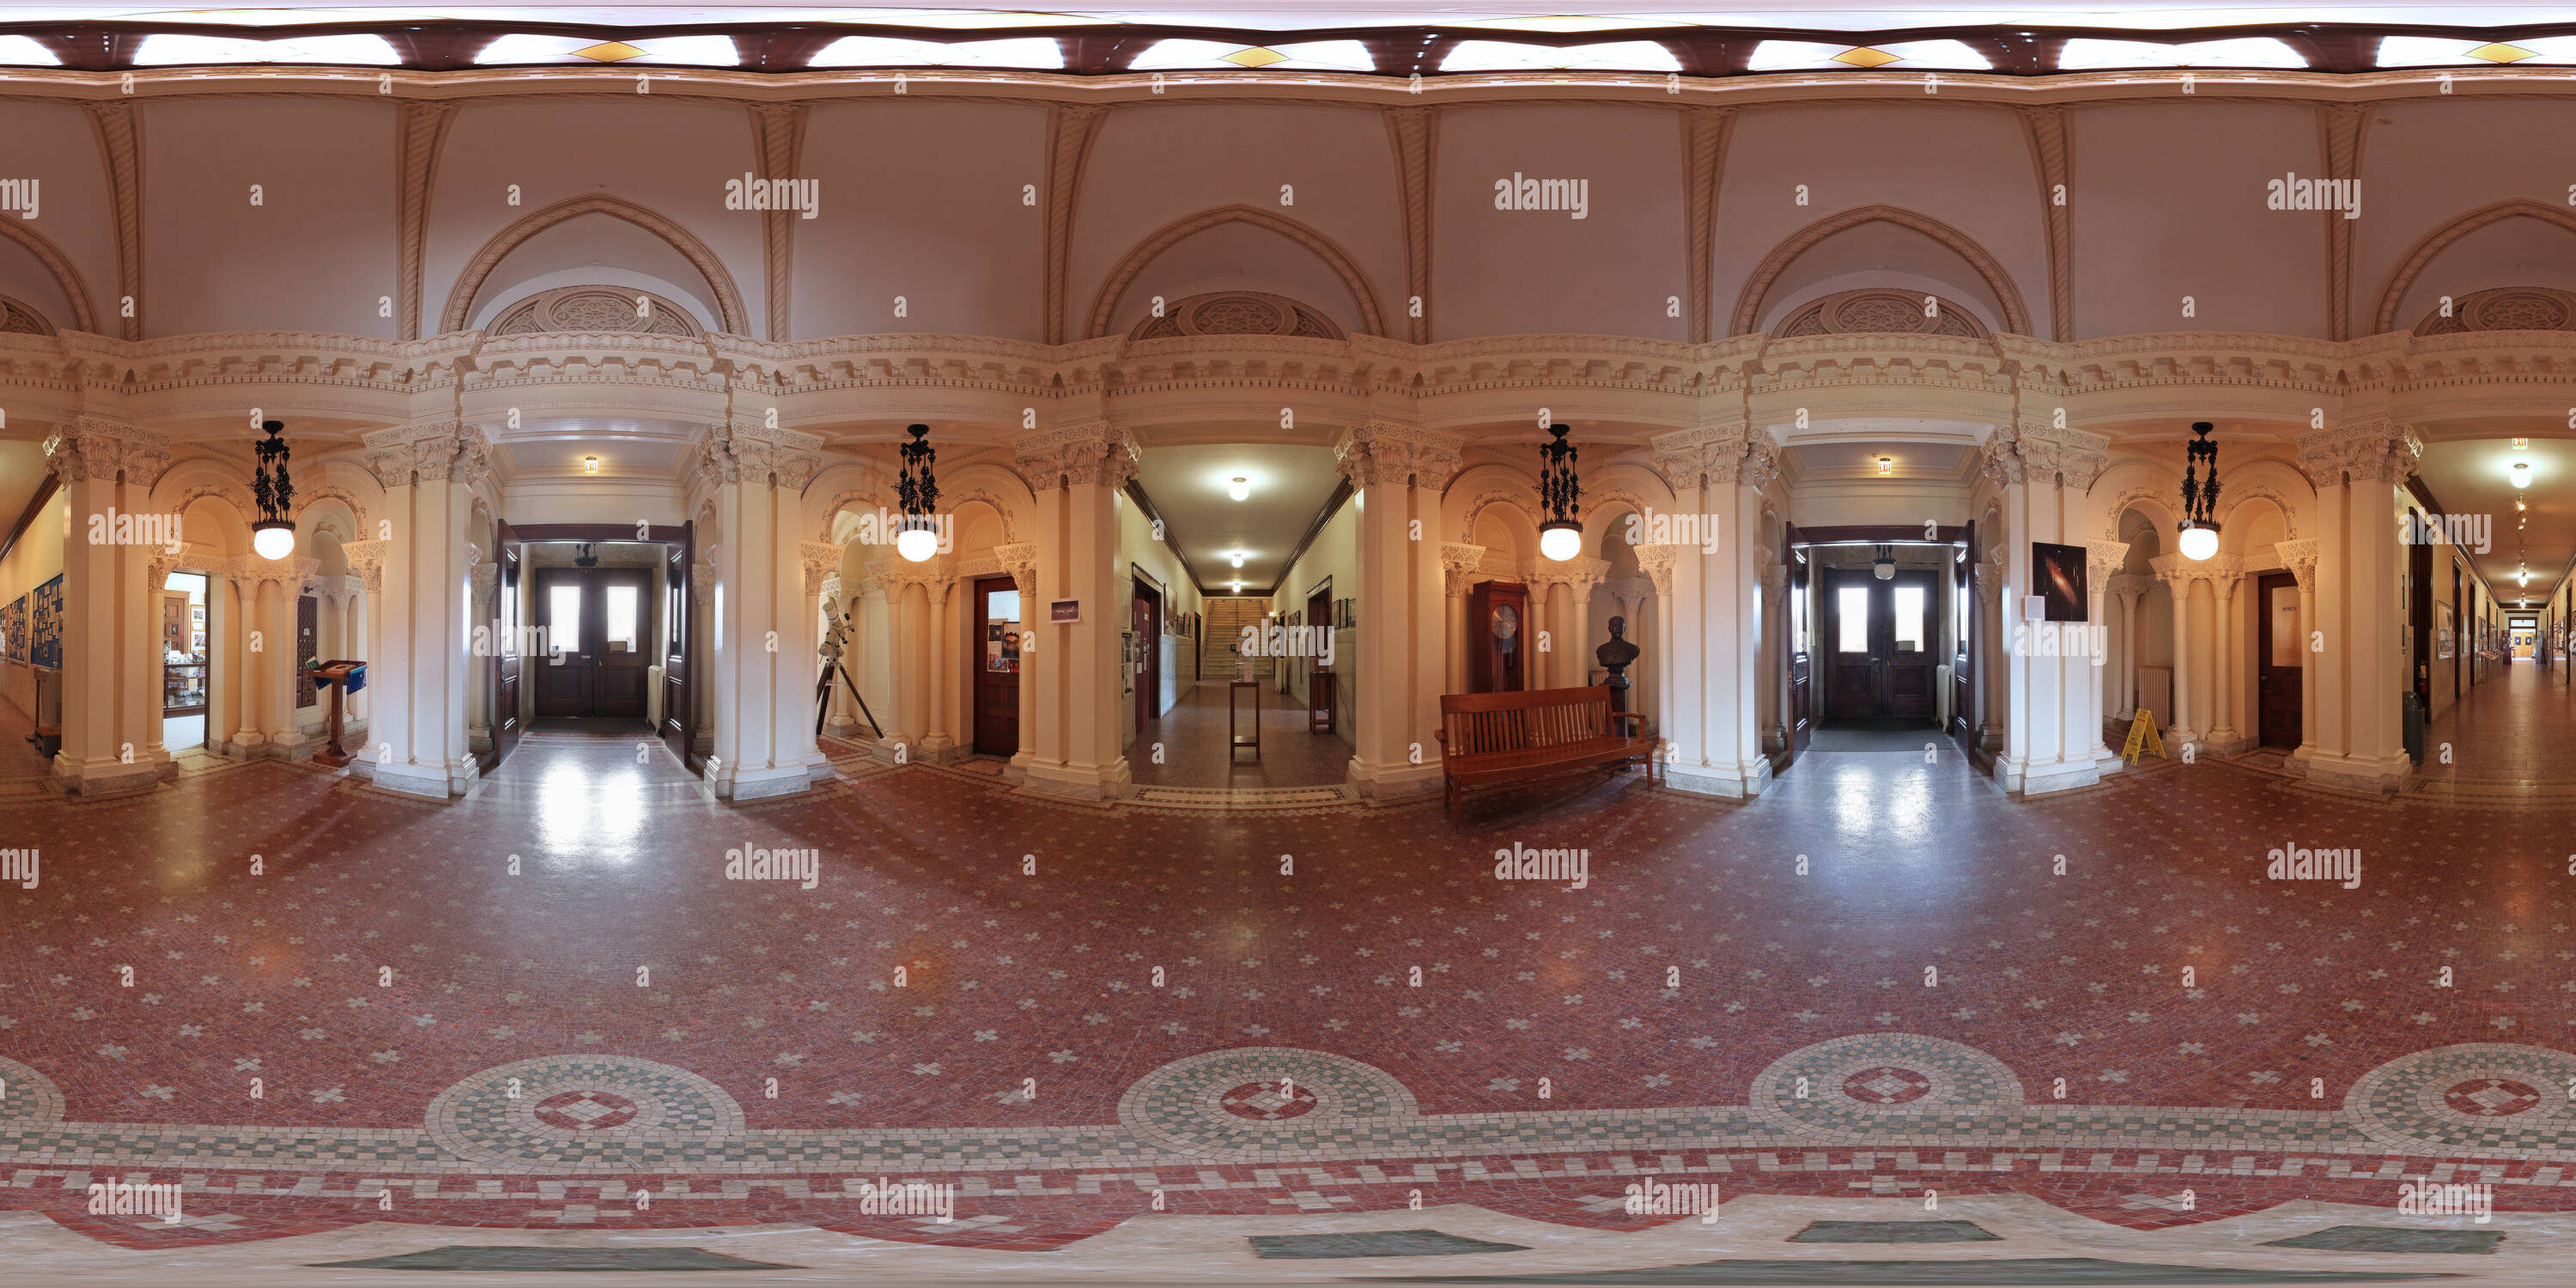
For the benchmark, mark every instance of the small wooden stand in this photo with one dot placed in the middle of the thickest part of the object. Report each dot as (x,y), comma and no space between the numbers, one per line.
(1235,742)
(1319,701)
(338,676)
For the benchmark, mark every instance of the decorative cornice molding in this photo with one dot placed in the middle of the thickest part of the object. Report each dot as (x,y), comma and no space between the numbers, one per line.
(1381,453)
(95,448)
(429,452)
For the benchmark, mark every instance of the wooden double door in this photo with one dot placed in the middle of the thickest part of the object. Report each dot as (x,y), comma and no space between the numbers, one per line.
(999,618)
(598,625)
(1880,644)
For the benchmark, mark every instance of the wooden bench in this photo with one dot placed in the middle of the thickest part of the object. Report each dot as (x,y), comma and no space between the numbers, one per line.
(1490,741)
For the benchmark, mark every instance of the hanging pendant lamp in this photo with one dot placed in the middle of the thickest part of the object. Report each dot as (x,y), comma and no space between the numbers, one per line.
(1560,496)
(2199,524)
(918,493)
(274,535)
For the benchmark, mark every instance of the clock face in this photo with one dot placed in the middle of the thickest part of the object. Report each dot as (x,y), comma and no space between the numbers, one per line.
(1507,623)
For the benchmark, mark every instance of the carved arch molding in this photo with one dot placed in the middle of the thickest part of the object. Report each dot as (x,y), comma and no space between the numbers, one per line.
(1879,311)
(595,308)
(67,280)
(2504,308)
(1766,274)
(1237,313)
(2422,254)
(469,283)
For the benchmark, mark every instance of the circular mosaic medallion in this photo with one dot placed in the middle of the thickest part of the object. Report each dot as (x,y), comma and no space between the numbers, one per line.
(1249,1102)
(2479,1097)
(1886,1085)
(586,1113)
(1870,1086)
(28,1096)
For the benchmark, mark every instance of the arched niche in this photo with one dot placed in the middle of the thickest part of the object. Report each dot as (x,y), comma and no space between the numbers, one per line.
(1879,246)
(2501,244)
(596,240)
(1236,247)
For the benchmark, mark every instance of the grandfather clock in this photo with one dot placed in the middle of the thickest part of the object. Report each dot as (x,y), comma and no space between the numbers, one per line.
(1497,637)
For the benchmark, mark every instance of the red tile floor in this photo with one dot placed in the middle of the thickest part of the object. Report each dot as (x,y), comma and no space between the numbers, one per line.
(1871,979)
(2517,726)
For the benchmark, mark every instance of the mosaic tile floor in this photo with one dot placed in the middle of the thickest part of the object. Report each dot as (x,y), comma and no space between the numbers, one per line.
(327,1010)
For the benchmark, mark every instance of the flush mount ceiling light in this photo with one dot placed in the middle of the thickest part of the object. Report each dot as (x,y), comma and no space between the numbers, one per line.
(1560,496)
(274,535)
(1887,465)
(590,465)
(2200,496)
(2522,474)
(1237,557)
(1238,487)
(917,491)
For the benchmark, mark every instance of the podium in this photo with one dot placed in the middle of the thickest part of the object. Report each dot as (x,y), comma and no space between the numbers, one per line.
(343,675)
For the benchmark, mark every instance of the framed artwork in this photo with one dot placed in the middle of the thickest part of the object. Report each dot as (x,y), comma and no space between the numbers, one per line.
(197,614)
(1064,611)
(2057,577)
(13,628)
(45,625)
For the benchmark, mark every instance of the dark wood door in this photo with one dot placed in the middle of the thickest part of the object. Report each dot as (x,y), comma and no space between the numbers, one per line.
(998,617)
(1878,644)
(1497,615)
(2419,612)
(1148,661)
(565,680)
(507,666)
(2282,674)
(679,718)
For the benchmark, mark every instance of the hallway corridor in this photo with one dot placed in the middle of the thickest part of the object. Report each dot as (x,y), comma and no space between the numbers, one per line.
(2517,728)
(1193,735)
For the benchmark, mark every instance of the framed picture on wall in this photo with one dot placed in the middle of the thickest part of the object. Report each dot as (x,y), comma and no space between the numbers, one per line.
(2057,577)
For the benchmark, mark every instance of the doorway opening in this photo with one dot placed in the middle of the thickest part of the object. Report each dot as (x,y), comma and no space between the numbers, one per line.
(1882,640)
(591,634)
(1144,644)
(2281,680)
(186,655)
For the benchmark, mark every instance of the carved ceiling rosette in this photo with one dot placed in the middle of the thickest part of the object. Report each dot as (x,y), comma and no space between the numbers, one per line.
(2504,308)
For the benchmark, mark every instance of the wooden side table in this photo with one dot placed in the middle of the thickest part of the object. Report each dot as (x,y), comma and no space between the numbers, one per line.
(1235,742)
(1320,695)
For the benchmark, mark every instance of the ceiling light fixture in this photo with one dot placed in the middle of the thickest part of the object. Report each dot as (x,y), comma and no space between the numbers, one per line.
(1884,566)
(917,491)
(1238,487)
(590,465)
(2199,497)
(1237,557)
(1560,496)
(1886,465)
(2522,474)
(274,535)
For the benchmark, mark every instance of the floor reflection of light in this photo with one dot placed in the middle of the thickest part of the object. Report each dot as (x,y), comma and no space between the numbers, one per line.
(589,814)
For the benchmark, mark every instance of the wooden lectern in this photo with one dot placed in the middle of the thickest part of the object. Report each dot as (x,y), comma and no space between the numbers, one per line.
(339,676)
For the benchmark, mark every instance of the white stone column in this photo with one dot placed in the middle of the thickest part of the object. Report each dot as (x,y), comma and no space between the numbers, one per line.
(2178,579)
(2223,690)
(1398,471)
(1458,563)
(416,742)
(1076,473)
(156,575)
(1709,711)
(2132,590)
(2084,734)
(1994,680)
(2358,470)
(2300,557)
(111,631)
(2053,722)
(764,678)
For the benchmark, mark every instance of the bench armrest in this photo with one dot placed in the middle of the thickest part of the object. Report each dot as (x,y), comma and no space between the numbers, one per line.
(1441,736)
(1634,719)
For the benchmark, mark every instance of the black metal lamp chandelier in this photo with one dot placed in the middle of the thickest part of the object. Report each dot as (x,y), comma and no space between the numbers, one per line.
(274,535)
(1883,566)
(917,492)
(2199,526)
(585,559)
(1560,497)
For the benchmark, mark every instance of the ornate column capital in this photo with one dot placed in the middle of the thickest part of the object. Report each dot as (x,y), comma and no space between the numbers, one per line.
(822,562)
(1385,453)
(1657,563)
(367,562)
(2036,452)
(1989,578)
(2364,451)
(1020,560)
(744,450)
(290,574)
(429,451)
(2300,557)
(1459,560)
(2131,586)
(1711,457)
(2102,558)
(95,448)
(1090,451)
(161,567)
(486,578)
